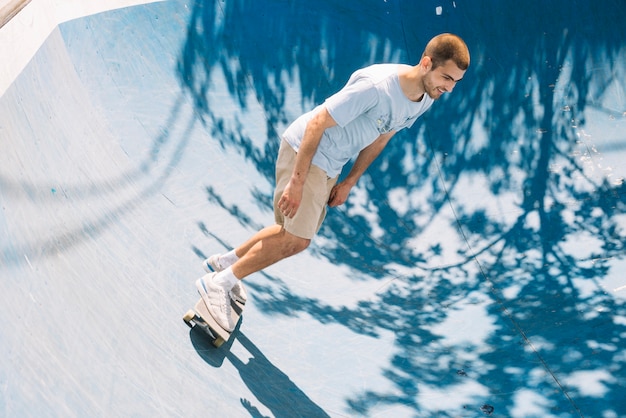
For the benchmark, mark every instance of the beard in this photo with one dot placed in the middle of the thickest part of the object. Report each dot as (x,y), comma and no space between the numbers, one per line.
(434,94)
(429,87)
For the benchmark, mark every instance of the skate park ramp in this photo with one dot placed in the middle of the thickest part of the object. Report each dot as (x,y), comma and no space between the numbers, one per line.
(478,268)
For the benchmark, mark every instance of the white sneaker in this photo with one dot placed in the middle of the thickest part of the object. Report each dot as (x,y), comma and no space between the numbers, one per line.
(212,264)
(217,301)
(237,293)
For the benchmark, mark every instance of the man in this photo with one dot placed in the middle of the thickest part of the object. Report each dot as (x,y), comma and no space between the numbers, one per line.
(360,119)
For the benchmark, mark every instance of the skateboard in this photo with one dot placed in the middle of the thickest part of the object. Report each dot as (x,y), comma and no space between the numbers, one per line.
(200,317)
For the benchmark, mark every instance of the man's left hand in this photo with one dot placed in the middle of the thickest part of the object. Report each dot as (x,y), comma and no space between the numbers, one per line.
(339,194)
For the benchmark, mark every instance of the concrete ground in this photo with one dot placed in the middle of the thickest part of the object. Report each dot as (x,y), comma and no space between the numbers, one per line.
(477,269)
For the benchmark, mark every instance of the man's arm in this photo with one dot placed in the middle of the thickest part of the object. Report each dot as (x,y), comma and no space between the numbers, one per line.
(340,192)
(292,196)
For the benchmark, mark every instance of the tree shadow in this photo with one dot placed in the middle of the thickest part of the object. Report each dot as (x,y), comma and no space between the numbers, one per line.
(500,165)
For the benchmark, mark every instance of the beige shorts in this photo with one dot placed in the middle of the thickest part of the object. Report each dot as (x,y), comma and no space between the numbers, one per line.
(317,186)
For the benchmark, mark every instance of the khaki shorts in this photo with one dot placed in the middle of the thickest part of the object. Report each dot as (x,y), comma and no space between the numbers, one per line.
(317,187)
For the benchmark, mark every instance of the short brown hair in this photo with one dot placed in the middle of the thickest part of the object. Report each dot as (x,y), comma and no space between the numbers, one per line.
(446,47)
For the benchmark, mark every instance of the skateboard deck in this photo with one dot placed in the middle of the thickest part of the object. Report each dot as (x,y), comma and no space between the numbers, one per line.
(200,317)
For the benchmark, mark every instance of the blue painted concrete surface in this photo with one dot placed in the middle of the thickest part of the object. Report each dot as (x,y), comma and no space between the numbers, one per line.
(477,269)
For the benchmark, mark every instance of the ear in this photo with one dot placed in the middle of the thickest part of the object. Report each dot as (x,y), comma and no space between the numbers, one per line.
(426,63)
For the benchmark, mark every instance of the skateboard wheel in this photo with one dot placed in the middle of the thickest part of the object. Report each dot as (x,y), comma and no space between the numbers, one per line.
(218,342)
(188,317)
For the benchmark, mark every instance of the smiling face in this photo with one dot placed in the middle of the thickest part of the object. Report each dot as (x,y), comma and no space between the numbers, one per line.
(442,79)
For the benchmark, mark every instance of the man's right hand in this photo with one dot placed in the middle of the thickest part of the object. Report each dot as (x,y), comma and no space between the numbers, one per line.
(290,200)
(292,195)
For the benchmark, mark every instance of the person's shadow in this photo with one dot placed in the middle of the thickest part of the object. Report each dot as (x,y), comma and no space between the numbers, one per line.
(269,385)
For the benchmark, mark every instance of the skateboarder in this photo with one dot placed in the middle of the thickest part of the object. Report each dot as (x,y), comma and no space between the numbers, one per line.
(360,119)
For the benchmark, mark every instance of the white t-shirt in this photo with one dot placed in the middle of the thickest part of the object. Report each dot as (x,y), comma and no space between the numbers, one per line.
(370,104)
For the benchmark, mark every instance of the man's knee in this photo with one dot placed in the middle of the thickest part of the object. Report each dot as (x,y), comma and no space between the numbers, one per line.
(302,244)
(295,244)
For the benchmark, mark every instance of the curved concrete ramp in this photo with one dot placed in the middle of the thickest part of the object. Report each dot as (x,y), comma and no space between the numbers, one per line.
(477,270)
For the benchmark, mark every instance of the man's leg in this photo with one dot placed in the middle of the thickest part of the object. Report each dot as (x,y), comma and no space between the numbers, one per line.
(259,236)
(271,244)
(222,261)
(265,248)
